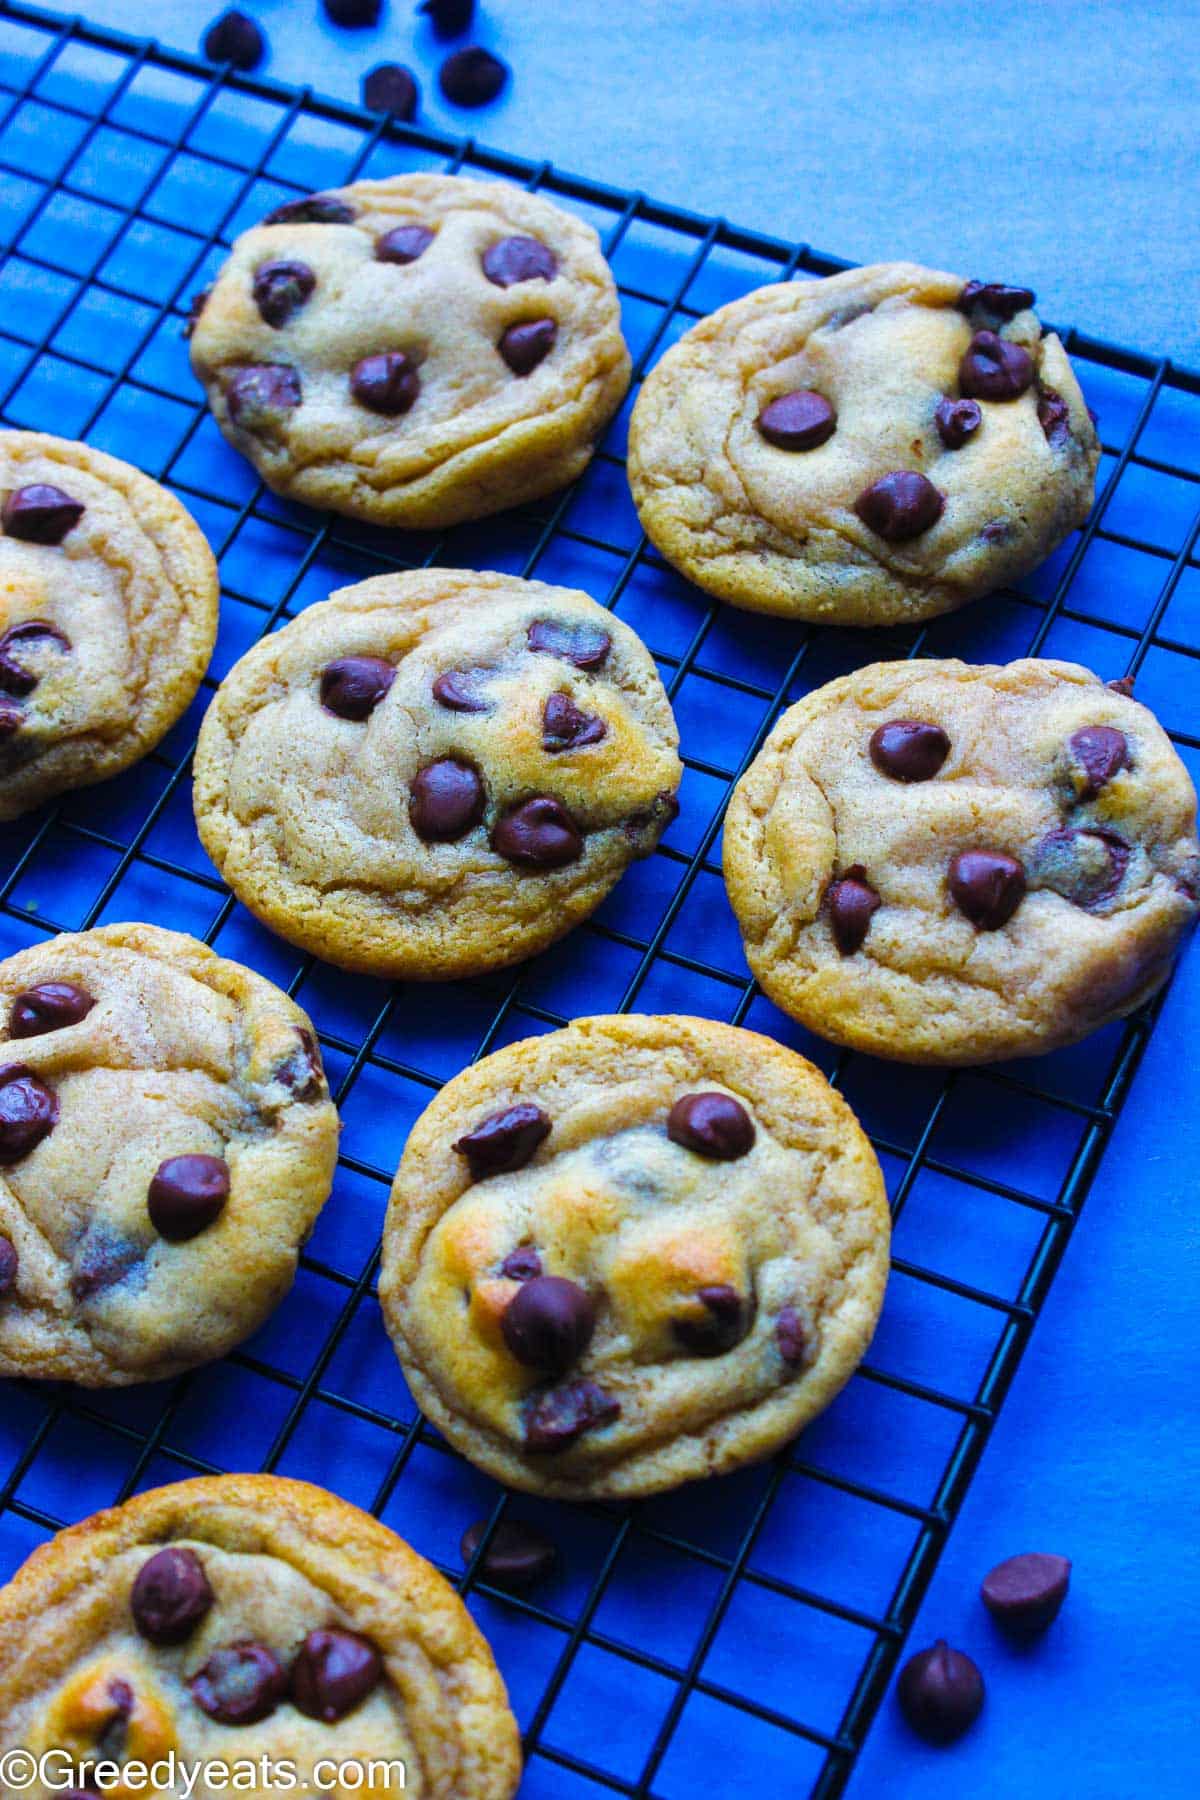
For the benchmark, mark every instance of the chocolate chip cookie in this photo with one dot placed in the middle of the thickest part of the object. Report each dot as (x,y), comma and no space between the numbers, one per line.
(166,1143)
(242,1617)
(415,351)
(108,613)
(436,773)
(879,446)
(951,864)
(631,1253)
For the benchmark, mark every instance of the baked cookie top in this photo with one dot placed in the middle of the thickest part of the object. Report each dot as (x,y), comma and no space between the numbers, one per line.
(436,773)
(415,351)
(108,614)
(631,1253)
(166,1143)
(878,446)
(241,1617)
(949,864)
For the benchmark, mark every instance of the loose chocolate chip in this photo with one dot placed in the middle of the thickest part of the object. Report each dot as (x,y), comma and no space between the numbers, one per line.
(538,834)
(101,1262)
(1085,867)
(28,1112)
(239,1685)
(472,77)
(712,1124)
(386,383)
(9,1263)
(15,678)
(791,1337)
(988,887)
(1103,752)
(11,718)
(1024,1593)
(353,13)
(353,686)
(40,513)
(404,245)
(447,800)
(236,39)
(956,421)
(505,1140)
(259,393)
(587,646)
(523,347)
(852,903)
(281,289)
(1054,416)
(940,1693)
(558,1416)
(455,691)
(909,749)
(900,506)
(548,1323)
(50,1006)
(723,1323)
(391,88)
(517,1557)
(565,727)
(994,297)
(170,1596)
(521,1264)
(312,209)
(334,1671)
(449,18)
(187,1193)
(994,369)
(798,421)
(303,1073)
(517,259)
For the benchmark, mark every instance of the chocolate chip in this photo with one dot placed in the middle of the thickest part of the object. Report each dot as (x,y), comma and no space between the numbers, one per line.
(303,1073)
(109,1725)
(988,887)
(996,531)
(281,289)
(50,1006)
(587,646)
(548,1323)
(9,1264)
(1123,685)
(353,686)
(852,903)
(940,1693)
(723,1323)
(791,1337)
(170,1596)
(239,1685)
(713,1125)
(447,800)
(334,1671)
(518,259)
(521,1264)
(900,506)
(472,77)
(40,513)
(517,1557)
(15,678)
(1054,416)
(454,690)
(956,421)
(404,244)
(797,421)
(1103,752)
(662,811)
(1085,867)
(11,718)
(235,39)
(312,209)
(386,383)
(449,18)
(102,1261)
(196,305)
(187,1193)
(565,727)
(995,298)
(391,88)
(538,834)
(523,347)
(1024,1593)
(909,749)
(557,1417)
(994,369)
(260,393)
(28,1112)
(353,13)
(505,1140)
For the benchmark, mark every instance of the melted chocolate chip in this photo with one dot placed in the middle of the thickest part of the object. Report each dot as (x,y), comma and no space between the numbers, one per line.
(239,1685)
(940,1693)
(449,18)
(521,1264)
(1123,685)
(797,421)
(587,646)
(281,289)
(1054,417)
(987,886)
(111,1727)
(386,383)
(995,298)
(261,393)
(791,1337)
(1024,1593)
(565,727)
(504,1141)
(538,834)
(557,1417)
(404,244)
(391,88)
(9,1264)
(523,347)
(852,903)
(548,1323)
(102,1261)
(40,513)
(1103,752)
(187,1194)
(455,690)
(15,678)
(909,749)
(170,1596)
(334,1671)
(447,800)
(303,1073)
(236,39)
(956,421)
(723,1324)
(994,369)
(662,811)
(353,686)
(900,506)
(517,1557)
(312,209)
(51,1006)
(1086,867)
(713,1125)
(28,1112)
(518,259)
(472,77)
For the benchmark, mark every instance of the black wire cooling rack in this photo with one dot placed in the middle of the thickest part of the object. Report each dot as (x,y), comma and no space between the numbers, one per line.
(748,1625)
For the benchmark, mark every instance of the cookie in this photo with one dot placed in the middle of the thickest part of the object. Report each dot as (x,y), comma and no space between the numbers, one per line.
(108,614)
(877,447)
(238,1618)
(951,864)
(631,1253)
(415,351)
(436,773)
(166,1143)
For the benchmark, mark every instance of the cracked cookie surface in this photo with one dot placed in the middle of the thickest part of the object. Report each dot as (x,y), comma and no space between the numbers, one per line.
(108,614)
(415,351)
(437,773)
(946,863)
(238,1617)
(878,446)
(632,1253)
(166,1143)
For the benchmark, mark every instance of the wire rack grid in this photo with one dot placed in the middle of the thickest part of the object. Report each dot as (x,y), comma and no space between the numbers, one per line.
(750,1625)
